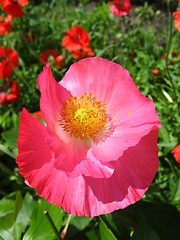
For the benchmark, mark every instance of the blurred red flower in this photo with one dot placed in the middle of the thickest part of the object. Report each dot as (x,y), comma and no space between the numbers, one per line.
(120,7)
(38,114)
(155,71)
(176,16)
(5,25)
(12,96)
(29,36)
(8,61)
(76,39)
(77,42)
(50,56)
(83,52)
(174,54)
(14,8)
(176,152)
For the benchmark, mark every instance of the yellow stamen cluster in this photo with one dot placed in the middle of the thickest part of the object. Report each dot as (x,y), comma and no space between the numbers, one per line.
(83,117)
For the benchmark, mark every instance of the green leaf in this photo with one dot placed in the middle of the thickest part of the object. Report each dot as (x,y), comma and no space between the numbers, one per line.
(92,234)
(11,137)
(40,228)
(163,218)
(24,214)
(117,225)
(6,207)
(18,204)
(17,231)
(105,232)
(6,226)
(144,231)
(77,225)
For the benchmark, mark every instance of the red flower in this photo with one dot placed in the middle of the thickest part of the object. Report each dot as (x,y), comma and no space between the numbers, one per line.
(50,57)
(76,39)
(155,71)
(14,8)
(5,24)
(176,16)
(120,7)
(83,52)
(176,152)
(38,114)
(174,54)
(29,36)
(7,63)
(59,61)
(12,96)
(77,42)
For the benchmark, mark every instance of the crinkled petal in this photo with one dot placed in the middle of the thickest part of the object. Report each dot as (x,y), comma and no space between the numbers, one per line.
(76,159)
(134,172)
(92,167)
(132,114)
(91,197)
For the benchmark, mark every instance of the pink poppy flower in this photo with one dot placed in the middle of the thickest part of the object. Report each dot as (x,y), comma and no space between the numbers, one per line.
(120,7)
(98,151)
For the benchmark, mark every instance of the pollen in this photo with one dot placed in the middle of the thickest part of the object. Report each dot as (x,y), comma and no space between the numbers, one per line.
(83,117)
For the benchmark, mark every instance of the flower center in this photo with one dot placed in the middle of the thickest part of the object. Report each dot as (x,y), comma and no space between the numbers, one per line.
(83,117)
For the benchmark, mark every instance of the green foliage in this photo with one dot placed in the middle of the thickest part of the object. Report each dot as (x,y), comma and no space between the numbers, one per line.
(137,42)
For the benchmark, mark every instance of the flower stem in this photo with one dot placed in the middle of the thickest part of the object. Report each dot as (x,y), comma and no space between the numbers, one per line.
(167,56)
(63,233)
(52,225)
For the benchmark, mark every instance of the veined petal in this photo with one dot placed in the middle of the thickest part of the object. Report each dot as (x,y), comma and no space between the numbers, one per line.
(134,172)
(132,114)
(76,159)
(33,151)
(52,97)
(91,197)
